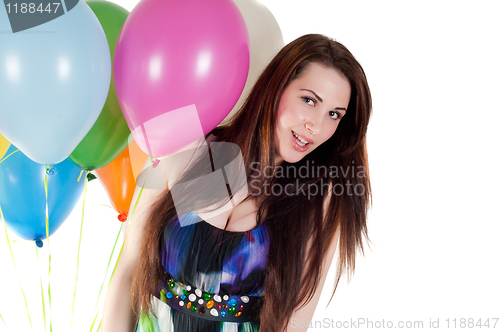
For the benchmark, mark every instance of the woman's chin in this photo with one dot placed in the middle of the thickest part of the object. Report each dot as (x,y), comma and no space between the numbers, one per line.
(291,155)
(293,158)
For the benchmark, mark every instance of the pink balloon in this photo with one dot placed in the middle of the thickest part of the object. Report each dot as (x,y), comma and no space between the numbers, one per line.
(179,68)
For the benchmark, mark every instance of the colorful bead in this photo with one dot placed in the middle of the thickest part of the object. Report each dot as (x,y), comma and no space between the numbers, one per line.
(205,300)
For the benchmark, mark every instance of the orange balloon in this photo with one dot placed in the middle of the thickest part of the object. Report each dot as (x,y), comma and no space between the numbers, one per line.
(137,158)
(119,178)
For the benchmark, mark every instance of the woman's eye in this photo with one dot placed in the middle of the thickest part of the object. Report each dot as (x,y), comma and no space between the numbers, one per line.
(309,101)
(334,115)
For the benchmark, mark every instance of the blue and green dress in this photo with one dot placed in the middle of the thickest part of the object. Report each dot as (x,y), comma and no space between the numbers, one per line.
(214,279)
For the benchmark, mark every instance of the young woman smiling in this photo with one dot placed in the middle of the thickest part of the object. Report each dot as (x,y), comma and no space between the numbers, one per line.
(261,264)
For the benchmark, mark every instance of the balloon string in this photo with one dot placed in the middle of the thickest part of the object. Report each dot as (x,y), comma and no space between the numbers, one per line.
(123,243)
(4,323)
(139,196)
(15,266)
(8,156)
(105,275)
(48,246)
(80,175)
(78,254)
(41,288)
(111,278)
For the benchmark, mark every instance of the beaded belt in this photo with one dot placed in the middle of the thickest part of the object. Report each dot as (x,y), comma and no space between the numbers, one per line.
(195,302)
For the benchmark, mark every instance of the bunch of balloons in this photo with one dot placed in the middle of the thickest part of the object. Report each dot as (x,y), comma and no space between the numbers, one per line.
(99,88)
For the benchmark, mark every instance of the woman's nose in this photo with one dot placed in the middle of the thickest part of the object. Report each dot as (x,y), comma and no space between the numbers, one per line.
(314,124)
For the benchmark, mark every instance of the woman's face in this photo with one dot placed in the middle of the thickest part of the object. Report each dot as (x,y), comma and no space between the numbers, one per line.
(309,111)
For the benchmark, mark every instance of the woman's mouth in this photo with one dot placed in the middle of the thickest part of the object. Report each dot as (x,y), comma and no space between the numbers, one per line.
(299,143)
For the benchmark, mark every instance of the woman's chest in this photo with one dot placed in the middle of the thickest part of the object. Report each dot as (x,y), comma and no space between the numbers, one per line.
(235,216)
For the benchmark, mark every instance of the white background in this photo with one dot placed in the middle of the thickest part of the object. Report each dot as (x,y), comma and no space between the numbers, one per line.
(433,68)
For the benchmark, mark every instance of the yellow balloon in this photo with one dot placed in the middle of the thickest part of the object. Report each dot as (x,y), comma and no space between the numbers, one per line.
(4,146)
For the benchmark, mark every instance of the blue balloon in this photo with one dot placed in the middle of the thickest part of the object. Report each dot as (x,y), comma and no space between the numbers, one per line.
(54,81)
(22,194)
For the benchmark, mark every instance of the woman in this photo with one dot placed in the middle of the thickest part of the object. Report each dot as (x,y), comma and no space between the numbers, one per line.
(261,264)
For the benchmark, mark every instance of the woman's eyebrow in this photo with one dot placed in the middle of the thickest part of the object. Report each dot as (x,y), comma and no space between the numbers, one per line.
(314,93)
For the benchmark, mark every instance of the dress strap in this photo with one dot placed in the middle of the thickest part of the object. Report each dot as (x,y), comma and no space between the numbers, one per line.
(198,150)
(215,307)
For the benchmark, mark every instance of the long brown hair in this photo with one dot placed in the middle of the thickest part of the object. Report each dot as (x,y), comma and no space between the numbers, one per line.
(290,219)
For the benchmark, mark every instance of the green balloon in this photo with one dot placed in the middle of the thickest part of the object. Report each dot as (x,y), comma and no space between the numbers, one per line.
(109,135)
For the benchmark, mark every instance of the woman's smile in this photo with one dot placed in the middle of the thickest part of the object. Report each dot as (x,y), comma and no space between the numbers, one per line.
(299,143)
(309,111)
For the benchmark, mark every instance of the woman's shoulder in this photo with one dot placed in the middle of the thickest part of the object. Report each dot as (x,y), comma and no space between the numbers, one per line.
(211,138)
(174,165)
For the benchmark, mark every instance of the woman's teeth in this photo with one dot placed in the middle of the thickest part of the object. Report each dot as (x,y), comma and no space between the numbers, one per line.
(300,140)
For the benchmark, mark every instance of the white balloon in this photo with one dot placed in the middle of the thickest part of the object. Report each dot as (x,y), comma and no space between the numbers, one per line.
(265,42)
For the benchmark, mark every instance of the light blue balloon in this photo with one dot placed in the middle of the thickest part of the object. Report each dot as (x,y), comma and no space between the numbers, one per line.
(22,194)
(54,80)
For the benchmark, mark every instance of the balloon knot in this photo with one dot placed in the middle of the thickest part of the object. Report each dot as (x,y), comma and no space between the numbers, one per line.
(51,170)
(122,217)
(39,243)
(91,177)
(156,162)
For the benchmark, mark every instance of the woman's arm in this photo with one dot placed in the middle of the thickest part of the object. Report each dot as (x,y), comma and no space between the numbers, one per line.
(300,317)
(118,314)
